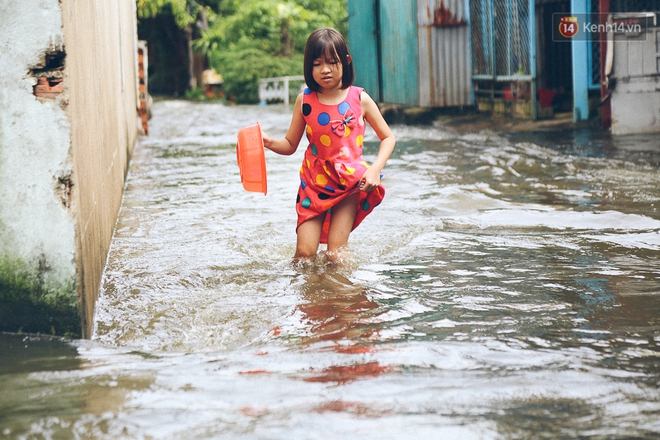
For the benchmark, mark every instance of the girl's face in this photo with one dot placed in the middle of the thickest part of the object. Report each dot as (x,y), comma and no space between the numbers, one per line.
(327,71)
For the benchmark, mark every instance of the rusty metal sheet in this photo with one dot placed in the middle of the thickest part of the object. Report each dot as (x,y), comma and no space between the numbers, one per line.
(444,53)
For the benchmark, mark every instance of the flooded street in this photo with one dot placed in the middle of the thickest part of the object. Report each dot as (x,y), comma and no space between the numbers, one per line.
(507,287)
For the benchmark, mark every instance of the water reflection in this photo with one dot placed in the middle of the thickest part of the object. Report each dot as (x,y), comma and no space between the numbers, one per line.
(338,311)
(335,309)
(555,418)
(24,354)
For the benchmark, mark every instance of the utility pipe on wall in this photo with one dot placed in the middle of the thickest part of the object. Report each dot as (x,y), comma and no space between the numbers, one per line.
(580,54)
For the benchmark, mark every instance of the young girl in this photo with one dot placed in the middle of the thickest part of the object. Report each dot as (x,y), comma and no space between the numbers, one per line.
(337,186)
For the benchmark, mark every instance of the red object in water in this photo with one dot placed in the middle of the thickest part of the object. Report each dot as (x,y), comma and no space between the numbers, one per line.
(348,373)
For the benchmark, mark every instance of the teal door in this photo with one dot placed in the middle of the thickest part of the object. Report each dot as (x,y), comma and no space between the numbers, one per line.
(382,36)
(363,42)
(399,51)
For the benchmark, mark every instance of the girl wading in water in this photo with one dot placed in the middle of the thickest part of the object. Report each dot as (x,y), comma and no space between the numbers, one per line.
(338,188)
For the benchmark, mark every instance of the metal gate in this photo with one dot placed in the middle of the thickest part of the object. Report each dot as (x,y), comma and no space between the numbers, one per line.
(503,49)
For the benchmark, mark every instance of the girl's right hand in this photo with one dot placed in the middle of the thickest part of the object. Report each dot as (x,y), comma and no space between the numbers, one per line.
(370,180)
(268,141)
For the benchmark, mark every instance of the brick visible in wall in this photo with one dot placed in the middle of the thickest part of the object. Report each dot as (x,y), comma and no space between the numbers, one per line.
(50,75)
(142,110)
(48,87)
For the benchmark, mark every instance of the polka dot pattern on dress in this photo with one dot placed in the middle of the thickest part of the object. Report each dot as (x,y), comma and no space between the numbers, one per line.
(324,119)
(333,163)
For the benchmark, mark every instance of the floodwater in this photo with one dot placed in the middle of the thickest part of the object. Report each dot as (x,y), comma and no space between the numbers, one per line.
(507,287)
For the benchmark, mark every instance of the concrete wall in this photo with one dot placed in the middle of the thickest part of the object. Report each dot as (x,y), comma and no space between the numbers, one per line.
(636,79)
(68,124)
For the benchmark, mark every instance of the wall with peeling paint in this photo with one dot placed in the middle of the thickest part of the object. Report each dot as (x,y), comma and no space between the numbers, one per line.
(68,124)
(635,82)
(412,52)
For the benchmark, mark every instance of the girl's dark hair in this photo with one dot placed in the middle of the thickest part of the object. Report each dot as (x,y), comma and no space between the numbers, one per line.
(330,43)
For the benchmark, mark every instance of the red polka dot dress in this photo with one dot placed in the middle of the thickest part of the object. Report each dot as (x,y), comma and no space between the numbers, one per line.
(333,165)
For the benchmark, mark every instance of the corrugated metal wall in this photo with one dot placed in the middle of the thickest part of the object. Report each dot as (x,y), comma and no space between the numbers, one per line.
(412,52)
(444,53)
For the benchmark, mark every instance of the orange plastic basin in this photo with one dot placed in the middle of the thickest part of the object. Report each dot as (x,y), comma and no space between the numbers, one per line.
(251,158)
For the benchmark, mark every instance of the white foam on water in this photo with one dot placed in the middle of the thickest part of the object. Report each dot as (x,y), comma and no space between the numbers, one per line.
(544,217)
(642,240)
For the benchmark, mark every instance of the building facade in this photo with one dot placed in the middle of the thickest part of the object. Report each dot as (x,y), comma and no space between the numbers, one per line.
(68,124)
(509,57)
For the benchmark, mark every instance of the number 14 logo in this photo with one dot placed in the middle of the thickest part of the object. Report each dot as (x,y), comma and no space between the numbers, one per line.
(568,27)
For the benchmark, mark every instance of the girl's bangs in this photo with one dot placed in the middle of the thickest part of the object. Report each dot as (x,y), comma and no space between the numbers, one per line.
(327,52)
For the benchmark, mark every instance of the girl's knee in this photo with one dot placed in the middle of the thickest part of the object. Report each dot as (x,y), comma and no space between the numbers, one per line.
(305,253)
(306,249)
(309,235)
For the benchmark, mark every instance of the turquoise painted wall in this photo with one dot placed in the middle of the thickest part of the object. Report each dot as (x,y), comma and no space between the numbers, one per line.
(364,45)
(399,47)
(390,25)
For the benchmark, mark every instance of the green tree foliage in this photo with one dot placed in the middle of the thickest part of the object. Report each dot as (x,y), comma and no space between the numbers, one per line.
(180,9)
(185,12)
(245,40)
(243,68)
(277,27)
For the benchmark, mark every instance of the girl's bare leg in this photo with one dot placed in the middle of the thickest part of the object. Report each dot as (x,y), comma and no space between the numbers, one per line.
(341,224)
(309,236)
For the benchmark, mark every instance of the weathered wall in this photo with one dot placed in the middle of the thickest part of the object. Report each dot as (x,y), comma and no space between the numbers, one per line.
(101,44)
(68,124)
(636,79)
(37,230)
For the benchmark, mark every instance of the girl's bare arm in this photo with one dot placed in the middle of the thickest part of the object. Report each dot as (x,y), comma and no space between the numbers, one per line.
(387,141)
(289,144)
